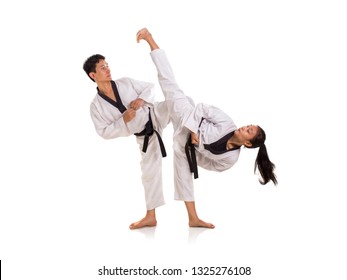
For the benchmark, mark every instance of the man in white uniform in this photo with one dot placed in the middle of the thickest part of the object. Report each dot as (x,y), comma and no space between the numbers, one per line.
(203,135)
(125,107)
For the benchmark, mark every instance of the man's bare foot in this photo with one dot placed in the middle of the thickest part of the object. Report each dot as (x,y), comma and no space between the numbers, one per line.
(148,221)
(200,223)
(144,34)
(143,223)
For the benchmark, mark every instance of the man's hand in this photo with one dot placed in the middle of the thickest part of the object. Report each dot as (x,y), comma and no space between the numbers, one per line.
(129,114)
(137,103)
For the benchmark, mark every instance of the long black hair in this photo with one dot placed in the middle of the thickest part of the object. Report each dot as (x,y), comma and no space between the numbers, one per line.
(262,162)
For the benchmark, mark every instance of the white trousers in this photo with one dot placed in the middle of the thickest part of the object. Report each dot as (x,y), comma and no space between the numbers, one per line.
(180,107)
(151,167)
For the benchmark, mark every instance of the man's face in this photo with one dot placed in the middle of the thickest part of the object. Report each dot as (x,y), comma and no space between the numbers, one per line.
(102,72)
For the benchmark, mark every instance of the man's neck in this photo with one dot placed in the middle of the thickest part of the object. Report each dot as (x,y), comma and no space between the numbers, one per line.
(105,88)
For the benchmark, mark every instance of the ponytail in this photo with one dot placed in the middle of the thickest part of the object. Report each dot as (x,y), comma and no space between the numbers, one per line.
(265,166)
(262,162)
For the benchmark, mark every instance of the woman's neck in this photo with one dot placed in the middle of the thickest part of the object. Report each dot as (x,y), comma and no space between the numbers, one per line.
(233,142)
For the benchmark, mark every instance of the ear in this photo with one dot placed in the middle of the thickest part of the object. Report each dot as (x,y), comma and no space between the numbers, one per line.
(248,144)
(92,75)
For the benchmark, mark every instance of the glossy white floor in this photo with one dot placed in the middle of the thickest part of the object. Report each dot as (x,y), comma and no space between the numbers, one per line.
(67,196)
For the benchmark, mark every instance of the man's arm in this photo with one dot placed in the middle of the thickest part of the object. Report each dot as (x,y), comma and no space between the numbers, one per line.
(115,129)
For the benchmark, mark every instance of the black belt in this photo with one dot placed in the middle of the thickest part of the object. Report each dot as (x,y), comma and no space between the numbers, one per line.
(191,156)
(190,153)
(148,132)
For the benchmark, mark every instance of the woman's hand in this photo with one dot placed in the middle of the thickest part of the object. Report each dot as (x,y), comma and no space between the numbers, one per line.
(195,138)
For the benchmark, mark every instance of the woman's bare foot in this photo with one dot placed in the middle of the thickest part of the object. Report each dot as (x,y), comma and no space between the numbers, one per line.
(200,223)
(144,34)
(148,221)
(194,220)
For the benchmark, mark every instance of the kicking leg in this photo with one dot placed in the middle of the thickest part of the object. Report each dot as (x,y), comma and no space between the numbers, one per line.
(179,105)
(144,34)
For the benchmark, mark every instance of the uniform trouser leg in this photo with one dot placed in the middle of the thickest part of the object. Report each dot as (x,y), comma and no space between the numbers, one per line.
(183,180)
(180,106)
(151,167)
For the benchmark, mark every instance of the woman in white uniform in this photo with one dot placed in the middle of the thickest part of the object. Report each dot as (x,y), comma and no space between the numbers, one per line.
(125,107)
(203,136)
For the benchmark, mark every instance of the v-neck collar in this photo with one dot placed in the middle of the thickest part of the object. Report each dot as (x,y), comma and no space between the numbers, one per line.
(219,147)
(118,103)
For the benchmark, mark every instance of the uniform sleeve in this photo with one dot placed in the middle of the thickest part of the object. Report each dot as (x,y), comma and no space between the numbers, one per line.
(215,165)
(210,113)
(108,130)
(144,90)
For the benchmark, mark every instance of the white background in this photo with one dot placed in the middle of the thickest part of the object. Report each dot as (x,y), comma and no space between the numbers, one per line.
(67,196)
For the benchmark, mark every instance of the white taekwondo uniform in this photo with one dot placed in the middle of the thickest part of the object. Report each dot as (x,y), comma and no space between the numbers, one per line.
(109,123)
(209,122)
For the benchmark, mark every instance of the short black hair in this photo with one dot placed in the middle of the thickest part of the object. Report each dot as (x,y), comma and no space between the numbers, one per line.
(90,64)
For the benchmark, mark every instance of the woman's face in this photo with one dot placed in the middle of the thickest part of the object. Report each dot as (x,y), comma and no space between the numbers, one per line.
(246,133)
